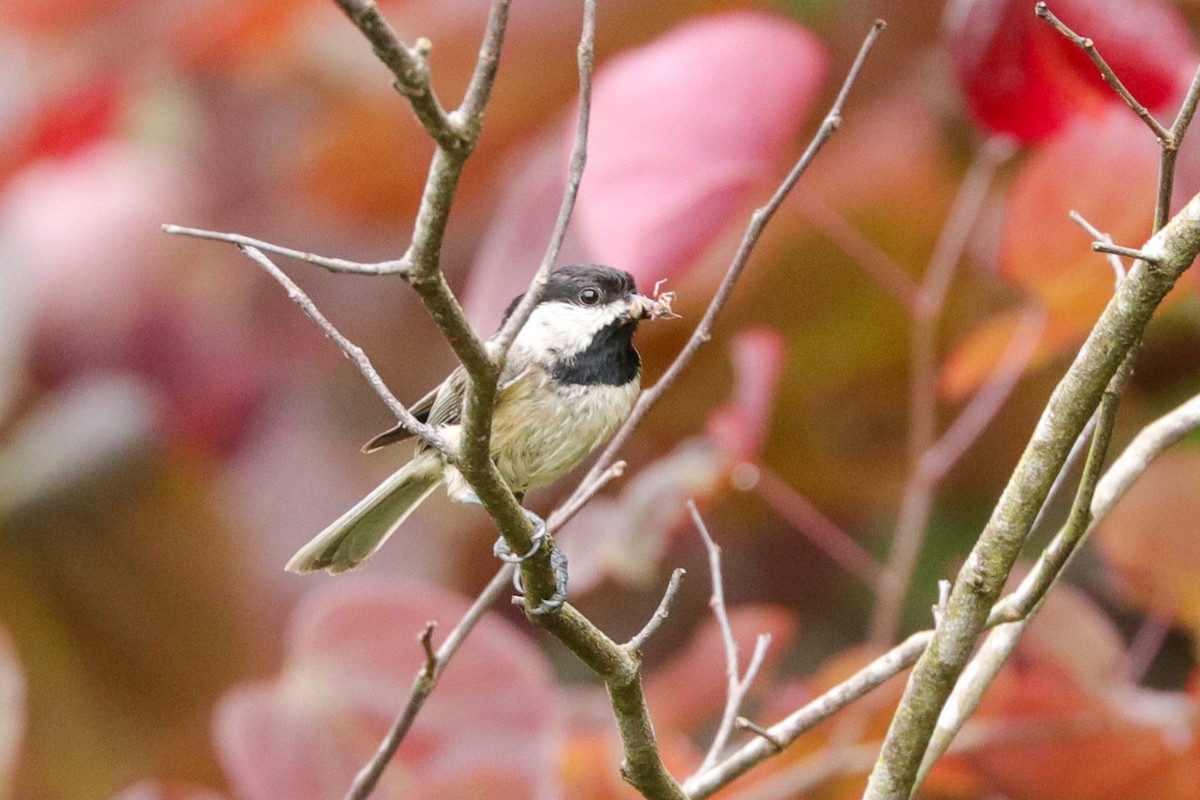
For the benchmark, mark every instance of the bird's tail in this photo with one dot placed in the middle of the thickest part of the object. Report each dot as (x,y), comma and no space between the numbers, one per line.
(358,533)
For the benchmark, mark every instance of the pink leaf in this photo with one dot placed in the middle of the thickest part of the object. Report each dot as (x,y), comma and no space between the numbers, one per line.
(150,790)
(679,144)
(680,140)
(740,425)
(489,730)
(12,712)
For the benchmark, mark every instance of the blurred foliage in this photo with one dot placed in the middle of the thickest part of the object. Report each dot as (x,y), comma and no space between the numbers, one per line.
(171,429)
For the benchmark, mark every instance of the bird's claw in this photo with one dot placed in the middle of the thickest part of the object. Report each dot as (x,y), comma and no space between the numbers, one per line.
(502,551)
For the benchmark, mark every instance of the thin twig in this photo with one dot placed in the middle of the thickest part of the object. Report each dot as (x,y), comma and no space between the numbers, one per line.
(738,684)
(563,514)
(331,264)
(1114,261)
(734,685)
(352,351)
(743,724)
(1088,46)
(917,502)
(865,254)
(424,683)
(758,222)
(409,66)
(1128,252)
(585,57)
(660,614)
(891,663)
(426,639)
(816,527)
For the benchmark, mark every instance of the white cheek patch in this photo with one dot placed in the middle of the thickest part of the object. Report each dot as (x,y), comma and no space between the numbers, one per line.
(564,328)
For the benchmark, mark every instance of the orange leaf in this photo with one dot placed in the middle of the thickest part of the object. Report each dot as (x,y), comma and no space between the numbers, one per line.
(1152,539)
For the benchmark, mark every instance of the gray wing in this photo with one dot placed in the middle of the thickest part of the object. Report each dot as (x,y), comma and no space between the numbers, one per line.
(443,405)
(423,410)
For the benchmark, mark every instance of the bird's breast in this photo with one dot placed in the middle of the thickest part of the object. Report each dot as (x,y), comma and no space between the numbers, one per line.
(543,427)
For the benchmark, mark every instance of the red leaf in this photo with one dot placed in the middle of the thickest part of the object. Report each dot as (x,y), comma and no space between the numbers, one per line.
(1022,77)
(488,731)
(65,124)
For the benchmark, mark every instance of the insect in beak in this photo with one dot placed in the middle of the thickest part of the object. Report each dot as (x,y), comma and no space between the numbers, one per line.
(641,307)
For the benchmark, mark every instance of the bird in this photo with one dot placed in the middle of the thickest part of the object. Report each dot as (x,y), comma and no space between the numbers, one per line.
(570,379)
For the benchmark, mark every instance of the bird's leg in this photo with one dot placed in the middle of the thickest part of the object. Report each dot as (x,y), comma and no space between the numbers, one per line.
(500,549)
(558,559)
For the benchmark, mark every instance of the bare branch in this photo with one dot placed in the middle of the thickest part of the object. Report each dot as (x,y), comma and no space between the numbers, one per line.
(469,114)
(424,683)
(982,576)
(1118,266)
(563,514)
(758,223)
(1019,607)
(1128,252)
(732,670)
(660,614)
(410,67)
(352,351)
(331,264)
(743,724)
(1110,77)
(738,684)
(1150,442)
(426,639)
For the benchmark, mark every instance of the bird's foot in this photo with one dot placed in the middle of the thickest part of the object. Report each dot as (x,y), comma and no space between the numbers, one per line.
(502,551)
(558,560)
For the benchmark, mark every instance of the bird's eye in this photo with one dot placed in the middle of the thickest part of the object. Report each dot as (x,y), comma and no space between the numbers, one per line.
(589,296)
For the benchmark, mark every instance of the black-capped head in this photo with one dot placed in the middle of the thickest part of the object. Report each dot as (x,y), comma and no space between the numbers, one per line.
(582,328)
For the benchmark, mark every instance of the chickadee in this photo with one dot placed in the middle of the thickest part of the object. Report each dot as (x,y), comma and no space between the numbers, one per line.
(570,379)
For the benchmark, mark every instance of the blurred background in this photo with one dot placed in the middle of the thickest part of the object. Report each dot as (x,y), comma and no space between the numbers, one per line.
(172,429)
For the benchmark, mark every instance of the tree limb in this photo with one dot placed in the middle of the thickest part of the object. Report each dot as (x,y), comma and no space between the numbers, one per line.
(983,575)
